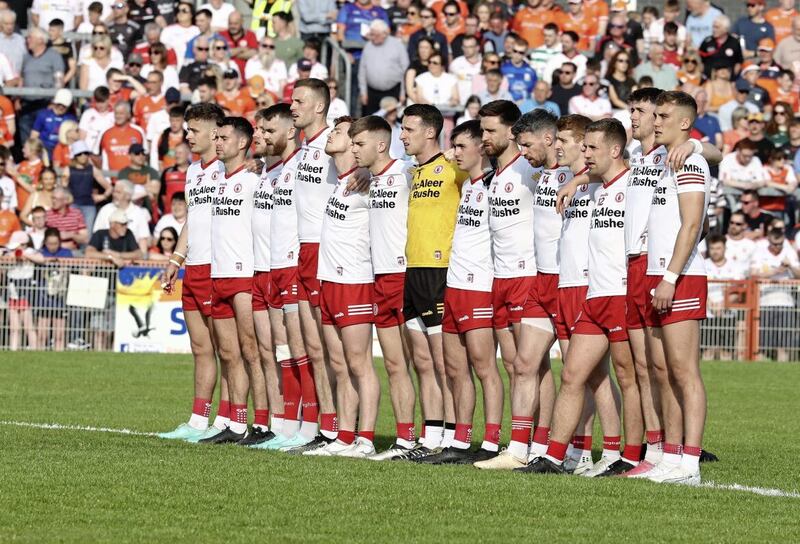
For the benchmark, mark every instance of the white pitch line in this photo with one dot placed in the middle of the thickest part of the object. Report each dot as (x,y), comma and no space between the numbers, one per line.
(763,491)
(60,427)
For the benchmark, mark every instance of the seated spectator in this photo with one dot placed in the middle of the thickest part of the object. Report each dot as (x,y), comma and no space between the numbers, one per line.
(756,218)
(96,119)
(758,95)
(38,226)
(471,109)
(233,99)
(138,172)
(9,224)
(311,51)
(739,131)
(589,103)
(621,84)
(192,73)
(86,183)
(540,56)
(741,169)
(116,243)
(26,173)
(138,218)
(565,87)
(673,47)
(419,64)
(242,43)
(93,68)
(719,88)
(786,92)
(8,188)
(758,136)
(221,57)
(220,14)
(176,218)
(68,134)
(67,219)
(41,197)
(721,324)
(85,52)
(173,179)
(494,87)
(778,126)
(569,54)
(265,64)
(167,239)
(158,61)
(725,112)
(338,107)
(781,178)
(721,49)
(738,246)
(794,139)
(540,98)
(691,73)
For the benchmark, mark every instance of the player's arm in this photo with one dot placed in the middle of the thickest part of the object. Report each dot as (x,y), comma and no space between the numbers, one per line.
(358,181)
(692,212)
(565,194)
(678,155)
(176,260)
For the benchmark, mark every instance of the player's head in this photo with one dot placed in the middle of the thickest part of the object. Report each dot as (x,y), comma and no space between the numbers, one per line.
(603,145)
(259,144)
(675,115)
(642,107)
(234,136)
(422,123)
(497,118)
(310,101)
(371,137)
(467,144)
(277,127)
(535,133)
(202,121)
(716,247)
(569,138)
(338,139)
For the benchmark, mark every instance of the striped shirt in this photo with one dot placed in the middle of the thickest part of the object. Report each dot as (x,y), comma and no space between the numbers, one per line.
(68,220)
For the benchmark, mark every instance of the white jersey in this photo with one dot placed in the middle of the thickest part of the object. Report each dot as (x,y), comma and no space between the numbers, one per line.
(546,220)
(344,255)
(511,219)
(232,225)
(388,217)
(728,270)
(471,265)
(739,252)
(574,245)
(665,213)
(284,245)
(646,170)
(201,186)
(315,180)
(608,264)
(262,216)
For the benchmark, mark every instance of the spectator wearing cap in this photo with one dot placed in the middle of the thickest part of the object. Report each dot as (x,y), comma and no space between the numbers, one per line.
(725,112)
(700,20)
(266,65)
(756,124)
(787,54)
(42,67)
(122,199)
(311,52)
(220,13)
(203,21)
(235,100)
(81,177)
(115,142)
(123,31)
(115,243)
(157,61)
(288,47)
(12,44)
(303,68)
(138,173)
(721,48)
(569,54)
(384,61)
(781,18)
(753,27)
(758,95)
(769,70)
(242,43)
(48,121)
(177,35)
(191,73)
(67,219)
(316,18)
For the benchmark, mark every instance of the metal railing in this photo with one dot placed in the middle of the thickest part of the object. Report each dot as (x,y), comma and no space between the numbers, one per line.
(340,68)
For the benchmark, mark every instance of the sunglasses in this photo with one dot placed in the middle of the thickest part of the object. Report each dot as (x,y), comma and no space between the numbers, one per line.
(99,33)
(435,62)
(428,17)
(489,61)
(135,64)
(738,223)
(170,239)
(202,48)
(779,112)
(623,60)
(182,10)
(690,61)
(267,46)
(2,163)
(262,104)
(98,48)
(118,5)
(451,13)
(617,26)
(415,12)
(747,201)
(519,51)
(220,47)
(589,83)
(752,5)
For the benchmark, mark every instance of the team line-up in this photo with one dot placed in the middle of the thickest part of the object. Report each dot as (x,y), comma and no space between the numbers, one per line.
(530,228)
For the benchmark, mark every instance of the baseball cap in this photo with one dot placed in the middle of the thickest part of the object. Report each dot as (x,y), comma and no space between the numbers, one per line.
(17,239)
(766,44)
(136,148)
(619,5)
(172,96)
(135,58)
(742,86)
(78,148)
(230,74)
(119,216)
(388,103)
(757,116)
(574,1)
(750,67)
(63,97)
(304,65)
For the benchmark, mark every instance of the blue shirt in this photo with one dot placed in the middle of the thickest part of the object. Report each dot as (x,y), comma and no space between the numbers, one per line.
(752,32)
(353,16)
(190,46)
(548,105)
(62,252)
(47,123)
(709,126)
(521,79)
(699,28)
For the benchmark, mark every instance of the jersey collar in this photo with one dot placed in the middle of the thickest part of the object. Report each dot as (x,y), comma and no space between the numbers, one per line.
(230,175)
(385,168)
(347,174)
(209,163)
(432,159)
(315,136)
(610,183)
(512,161)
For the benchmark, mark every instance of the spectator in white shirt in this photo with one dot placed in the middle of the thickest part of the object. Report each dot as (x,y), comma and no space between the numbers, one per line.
(271,69)
(436,86)
(466,67)
(741,169)
(138,217)
(588,103)
(220,11)
(738,247)
(44,11)
(719,333)
(176,219)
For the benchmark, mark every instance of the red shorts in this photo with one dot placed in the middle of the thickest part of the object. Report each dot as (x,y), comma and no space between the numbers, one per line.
(603,315)
(307,264)
(543,298)
(508,299)
(18,304)
(638,295)
(345,304)
(196,293)
(688,303)
(570,302)
(222,292)
(262,283)
(466,310)
(284,288)
(389,299)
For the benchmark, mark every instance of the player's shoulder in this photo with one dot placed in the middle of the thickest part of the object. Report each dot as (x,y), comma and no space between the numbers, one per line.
(695,163)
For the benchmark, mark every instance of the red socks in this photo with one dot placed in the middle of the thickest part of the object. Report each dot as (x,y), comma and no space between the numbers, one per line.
(541,435)
(201,407)
(224,409)
(329,423)
(367,435)
(557,450)
(582,442)
(347,437)
(491,433)
(290,377)
(654,437)
(611,443)
(309,390)
(463,433)
(521,429)
(239,413)
(261,418)
(632,453)
(405,431)
(694,451)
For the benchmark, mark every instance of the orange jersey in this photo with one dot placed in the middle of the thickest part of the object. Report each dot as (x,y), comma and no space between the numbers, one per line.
(451,32)
(173,139)
(438,9)
(584,26)
(529,23)
(790,98)
(781,21)
(115,143)
(6,115)
(61,155)
(145,106)
(8,225)
(240,105)
(596,10)
(29,171)
(123,94)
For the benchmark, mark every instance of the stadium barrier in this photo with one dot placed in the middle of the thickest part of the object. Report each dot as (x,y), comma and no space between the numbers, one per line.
(84,304)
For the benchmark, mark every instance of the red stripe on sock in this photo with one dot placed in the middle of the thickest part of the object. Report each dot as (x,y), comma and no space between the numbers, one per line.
(290,377)
(346,436)
(491,433)
(463,432)
(309,390)
(328,422)
(654,437)
(611,442)
(261,417)
(239,413)
(541,435)
(557,450)
(694,451)
(201,407)
(673,449)
(582,442)
(521,429)
(368,435)
(632,452)
(405,431)
(224,409)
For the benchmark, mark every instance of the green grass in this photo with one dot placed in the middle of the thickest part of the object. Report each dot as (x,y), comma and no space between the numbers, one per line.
(78,486)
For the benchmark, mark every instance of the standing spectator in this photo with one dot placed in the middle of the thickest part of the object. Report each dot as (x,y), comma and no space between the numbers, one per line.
(384,61)
(271,69)
(63,47)
(12,44)
(96,119)
(621,35)
(700,20)
(428,30)
(778,126)
(664,75)
(233,98)
(67,135)
(86,183)
(690,74)
(177,35)
(787,54)
(540,100)
(467,66)
(720,49)
(123,32)
(242,43)
(741,169)
(9,224)
(93,70)
(93,15)
(494,38)
(138,217)
(521,77)
(620,82)
(470,31)
(173,179)
(569,53)
(781,178)
(116,141)
(194,71)
(42,67)
(48,121)
(138,172)
(44,11)
(436,86)
(220,14)
(157,53)
(151,102)
(176,218)
(581,22)
(50,300)
(531,20)
(540,56)
(494,87)
(338,107)
(316,18)
(288,47)
(769,70)
(738,246)
(68,220)
(719,89)
(220,57)
(673,49)
(451,24)
(764,146)
(311,52)
(27,173)
(20,291)
(38,226)
(782,19)
(721,320)
(589,103)
(42,195)
(753,26)
(144,12)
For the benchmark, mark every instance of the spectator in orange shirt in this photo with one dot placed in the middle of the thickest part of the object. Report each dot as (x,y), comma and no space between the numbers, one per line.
(116,81)
(785,91)
(8,225)
(8,122)
(451,20)
(171,138)
(781,18)
(68,134)
(115,142)
(153,101)
(233,98)
(597,10)
(782,179)
(27,172)
(529,21)
(577,19)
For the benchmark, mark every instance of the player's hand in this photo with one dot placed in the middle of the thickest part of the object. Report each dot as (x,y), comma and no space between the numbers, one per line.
(254,165)
(358,182)
(564,197)
(677,156)
(662,296)
(169,277)
(449,154)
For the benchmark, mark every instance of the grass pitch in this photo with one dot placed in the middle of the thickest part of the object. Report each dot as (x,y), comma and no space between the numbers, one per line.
(71,485)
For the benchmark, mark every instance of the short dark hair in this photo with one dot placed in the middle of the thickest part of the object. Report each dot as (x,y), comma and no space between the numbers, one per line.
(209,81)
(430,115)
(679,99)
(240,125)
(313,43)
(205,111)
(284,16)
(101,94)
(281,110)
(715,238)
(38,209)
(506,110)
(575,123)
(57,22)
(471,128)
(750,192)
(572,34)
(318,87)
(739,212)
(612,129)
(494,72)
(176,111)
(670,27)
(343,119)
(96,7)
(52,231)
(551,26)
(206,12)
(536,121)
(646,94)
(179,195)
(369,123)
(745,143)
